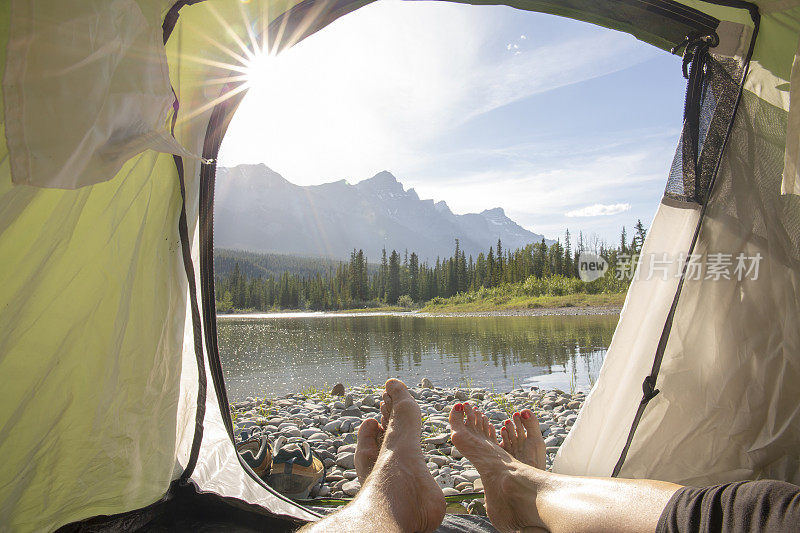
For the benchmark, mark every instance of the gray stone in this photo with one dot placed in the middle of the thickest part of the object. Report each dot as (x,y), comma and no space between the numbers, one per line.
(338,390)
(351,488)
(352,411)
(333,427)
(462,486)
(350,474)
(449,491)
(460,395)
(552,440)
(346,460)
(437,439)
(477,485)
(438,460)
(470,475)
(306,433)
(350,438)
(348,400)
(369,401)
(426,383)
(444,479)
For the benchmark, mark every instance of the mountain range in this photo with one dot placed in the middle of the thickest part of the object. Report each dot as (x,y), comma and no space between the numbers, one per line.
(257,209)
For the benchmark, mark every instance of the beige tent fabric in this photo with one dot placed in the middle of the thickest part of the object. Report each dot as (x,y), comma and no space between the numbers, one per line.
(86,88)
(596,440)
(791,161)
(728,406)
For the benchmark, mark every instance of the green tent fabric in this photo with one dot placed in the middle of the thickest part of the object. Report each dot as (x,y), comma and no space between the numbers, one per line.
(112,399)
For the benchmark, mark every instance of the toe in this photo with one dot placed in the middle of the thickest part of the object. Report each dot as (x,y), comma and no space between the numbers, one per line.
(505,442)
(512,434)
(368,434)
(479,421)
(518,427)
(386,410)
(530,423)
(470,415)
(457,416)
(485,425)
(492,433)
(367,447)
(396,389)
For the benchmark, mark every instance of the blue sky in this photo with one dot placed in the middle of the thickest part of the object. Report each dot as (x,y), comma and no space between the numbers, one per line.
(563,124)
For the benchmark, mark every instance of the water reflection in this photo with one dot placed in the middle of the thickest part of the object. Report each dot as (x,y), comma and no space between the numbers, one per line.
(277,355)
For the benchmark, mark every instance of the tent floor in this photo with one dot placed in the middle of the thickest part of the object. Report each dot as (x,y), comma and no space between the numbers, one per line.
(186,509)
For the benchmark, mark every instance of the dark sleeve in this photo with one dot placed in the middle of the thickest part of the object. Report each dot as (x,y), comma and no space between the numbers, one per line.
(744,506)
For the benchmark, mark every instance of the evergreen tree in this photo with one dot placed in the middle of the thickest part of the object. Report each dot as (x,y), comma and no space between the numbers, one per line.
(623,241)
(638,237)
(393,292)
(568,270)
(413,277)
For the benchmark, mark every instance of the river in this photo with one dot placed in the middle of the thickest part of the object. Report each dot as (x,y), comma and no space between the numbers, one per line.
(273,354)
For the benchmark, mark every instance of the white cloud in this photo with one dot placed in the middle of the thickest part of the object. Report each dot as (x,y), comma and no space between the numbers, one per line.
(599,210)
(523,37)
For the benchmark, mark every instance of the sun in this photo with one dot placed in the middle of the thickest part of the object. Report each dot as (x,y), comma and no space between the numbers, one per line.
(260,69)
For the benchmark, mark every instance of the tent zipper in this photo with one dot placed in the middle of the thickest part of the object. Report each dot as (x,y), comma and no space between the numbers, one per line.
(680,13)
(694,67)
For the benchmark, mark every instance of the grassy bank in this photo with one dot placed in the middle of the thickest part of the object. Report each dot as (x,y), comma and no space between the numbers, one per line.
(546,293)
(459,304)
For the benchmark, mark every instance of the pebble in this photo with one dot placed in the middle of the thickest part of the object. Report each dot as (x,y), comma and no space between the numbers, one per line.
(346,460)
(351,488)
(470,475)
(329,425)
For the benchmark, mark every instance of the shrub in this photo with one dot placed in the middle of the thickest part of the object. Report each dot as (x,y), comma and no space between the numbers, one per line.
(405,301)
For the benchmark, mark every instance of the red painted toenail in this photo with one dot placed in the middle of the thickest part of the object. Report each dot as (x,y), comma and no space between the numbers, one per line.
(526,415)
(458,407)
(516,414)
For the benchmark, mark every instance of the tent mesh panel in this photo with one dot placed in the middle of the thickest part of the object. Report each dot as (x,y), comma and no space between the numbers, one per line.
(748,194)
(720,91)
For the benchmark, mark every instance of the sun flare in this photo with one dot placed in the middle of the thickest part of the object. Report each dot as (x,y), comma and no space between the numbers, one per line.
(260,69)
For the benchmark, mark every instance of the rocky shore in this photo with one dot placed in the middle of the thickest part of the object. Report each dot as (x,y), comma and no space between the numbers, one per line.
(328,421)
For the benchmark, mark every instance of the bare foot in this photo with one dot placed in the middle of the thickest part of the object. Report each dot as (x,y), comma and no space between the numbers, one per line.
(400,476)
(510,493)
(522,438)
(368,446)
